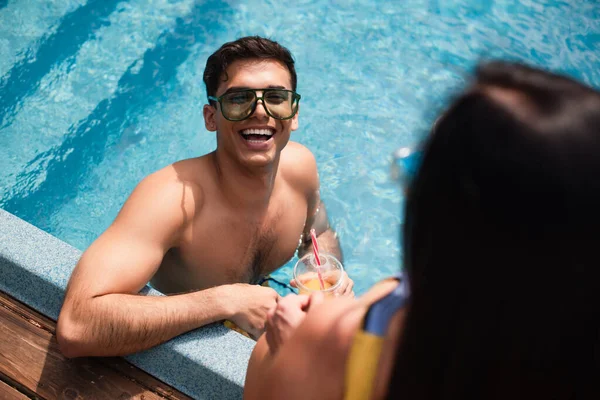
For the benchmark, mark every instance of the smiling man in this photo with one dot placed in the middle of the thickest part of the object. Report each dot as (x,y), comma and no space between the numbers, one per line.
(205,230)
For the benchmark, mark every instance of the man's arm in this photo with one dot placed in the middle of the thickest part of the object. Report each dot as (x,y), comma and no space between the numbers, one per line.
(328,243)
(103,315)
(307,179)
(327,237)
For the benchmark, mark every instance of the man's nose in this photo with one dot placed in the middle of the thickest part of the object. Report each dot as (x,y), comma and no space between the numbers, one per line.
(260,111)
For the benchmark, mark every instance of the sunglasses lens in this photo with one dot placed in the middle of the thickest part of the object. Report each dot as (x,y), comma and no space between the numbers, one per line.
(238,105)
(281,104)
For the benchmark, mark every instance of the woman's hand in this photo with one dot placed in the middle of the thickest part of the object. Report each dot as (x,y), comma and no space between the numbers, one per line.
(286,316)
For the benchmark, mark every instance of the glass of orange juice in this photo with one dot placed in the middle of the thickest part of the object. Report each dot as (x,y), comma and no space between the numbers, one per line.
(307,277)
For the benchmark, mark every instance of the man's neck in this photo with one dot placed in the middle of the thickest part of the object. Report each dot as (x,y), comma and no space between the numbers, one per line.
(243,186)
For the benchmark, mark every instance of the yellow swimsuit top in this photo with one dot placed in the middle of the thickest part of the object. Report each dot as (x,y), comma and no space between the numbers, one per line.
(367,344)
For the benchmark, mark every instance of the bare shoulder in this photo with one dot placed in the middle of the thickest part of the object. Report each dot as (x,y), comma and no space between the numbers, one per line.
(331,326)
(335,321)
(299,167)
(318,350)
(169,192)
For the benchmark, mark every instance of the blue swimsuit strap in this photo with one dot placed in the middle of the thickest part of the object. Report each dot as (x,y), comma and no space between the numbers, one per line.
(380,313)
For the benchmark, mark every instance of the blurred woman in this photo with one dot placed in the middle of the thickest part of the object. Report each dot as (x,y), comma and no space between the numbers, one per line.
(501,252)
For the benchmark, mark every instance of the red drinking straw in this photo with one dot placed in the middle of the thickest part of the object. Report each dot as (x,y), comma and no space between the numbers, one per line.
(313,237)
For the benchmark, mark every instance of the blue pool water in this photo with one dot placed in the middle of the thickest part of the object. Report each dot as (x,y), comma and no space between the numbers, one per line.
(95,95)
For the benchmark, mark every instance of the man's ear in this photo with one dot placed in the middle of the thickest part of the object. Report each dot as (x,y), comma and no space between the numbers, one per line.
(295,119)
(210,117)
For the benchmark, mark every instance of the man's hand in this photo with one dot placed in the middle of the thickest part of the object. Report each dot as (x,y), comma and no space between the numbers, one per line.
(252,304)
(347,286)
(345,289)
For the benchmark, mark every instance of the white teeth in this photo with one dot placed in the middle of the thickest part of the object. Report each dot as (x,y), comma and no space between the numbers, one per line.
(265,132)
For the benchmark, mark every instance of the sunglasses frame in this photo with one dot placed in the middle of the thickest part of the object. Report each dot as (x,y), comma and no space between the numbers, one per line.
(295,98)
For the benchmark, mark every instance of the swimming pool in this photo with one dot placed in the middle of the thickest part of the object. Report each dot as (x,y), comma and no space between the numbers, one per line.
(95,95)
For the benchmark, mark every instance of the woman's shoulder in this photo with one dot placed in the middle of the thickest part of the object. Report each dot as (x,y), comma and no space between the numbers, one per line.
(333,320)
(318,350)
(331,325)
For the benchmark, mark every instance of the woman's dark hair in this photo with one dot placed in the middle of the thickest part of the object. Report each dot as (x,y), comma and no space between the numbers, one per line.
(249,47)
(502,245)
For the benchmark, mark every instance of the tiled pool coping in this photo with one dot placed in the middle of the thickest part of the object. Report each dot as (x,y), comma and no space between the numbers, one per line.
(207,363)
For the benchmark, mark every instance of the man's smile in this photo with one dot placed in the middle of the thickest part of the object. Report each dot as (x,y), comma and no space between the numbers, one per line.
(257,138)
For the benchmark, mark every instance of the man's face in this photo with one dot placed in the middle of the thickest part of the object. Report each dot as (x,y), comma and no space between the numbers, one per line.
(257,140)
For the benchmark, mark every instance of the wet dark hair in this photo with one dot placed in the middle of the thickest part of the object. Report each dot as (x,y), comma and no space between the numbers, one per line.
(502,245)
(246,48)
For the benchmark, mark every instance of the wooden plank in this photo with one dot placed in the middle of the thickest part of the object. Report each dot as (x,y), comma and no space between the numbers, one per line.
(116,363)
(19,387)
(10,393)
(27,313)
(29,355)
(143,378)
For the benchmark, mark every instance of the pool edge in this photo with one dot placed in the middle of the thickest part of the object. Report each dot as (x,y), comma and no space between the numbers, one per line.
(35,266)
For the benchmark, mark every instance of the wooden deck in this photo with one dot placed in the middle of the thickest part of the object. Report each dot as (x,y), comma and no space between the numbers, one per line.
(31,366)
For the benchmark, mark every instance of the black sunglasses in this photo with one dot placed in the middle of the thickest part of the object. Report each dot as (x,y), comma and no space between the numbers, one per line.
(240,104)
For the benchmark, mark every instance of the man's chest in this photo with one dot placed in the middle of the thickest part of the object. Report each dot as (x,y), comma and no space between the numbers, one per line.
(228,247)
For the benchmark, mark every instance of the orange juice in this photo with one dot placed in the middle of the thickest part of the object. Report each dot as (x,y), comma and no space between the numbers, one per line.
(313,285)
(306,274)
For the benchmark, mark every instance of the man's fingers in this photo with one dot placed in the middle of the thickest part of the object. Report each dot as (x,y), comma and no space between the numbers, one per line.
(349,287)
(293,283)
(273,307)
(254,334)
